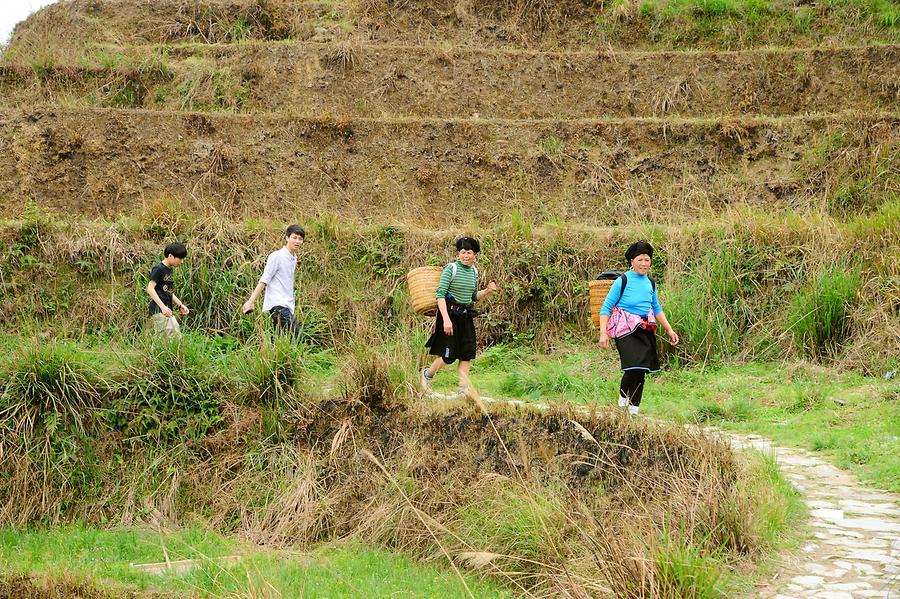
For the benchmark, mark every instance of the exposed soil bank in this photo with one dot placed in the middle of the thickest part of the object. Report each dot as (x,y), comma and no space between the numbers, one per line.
(484,23)
(110,162)
(397,81)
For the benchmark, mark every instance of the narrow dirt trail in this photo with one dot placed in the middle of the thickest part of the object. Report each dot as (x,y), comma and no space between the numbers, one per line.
(853,551)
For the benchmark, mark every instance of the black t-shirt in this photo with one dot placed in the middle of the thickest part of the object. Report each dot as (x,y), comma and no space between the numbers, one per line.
(165,285)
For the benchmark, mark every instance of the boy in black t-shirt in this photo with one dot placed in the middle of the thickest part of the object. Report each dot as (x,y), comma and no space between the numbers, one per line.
(161,289)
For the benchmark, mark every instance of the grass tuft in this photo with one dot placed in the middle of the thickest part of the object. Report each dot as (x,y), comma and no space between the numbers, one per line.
(820,314)
(175,394)
(49,387)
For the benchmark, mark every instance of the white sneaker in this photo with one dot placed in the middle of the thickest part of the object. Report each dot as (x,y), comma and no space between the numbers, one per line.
(462,390)
(623,401)
(633,410)
(426,380)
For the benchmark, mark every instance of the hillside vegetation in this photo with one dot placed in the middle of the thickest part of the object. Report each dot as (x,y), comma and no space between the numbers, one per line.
(755,143)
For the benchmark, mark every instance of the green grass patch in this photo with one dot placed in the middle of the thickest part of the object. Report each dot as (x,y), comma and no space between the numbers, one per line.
(819,315)
(684,571)
(340,571)
(511,521)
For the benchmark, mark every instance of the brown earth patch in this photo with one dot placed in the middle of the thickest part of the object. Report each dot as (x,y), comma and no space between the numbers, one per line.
(391,81)
(24,586)
(112,162)
(484,23)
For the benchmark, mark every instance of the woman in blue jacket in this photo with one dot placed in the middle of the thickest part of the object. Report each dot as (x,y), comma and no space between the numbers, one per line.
(630,315)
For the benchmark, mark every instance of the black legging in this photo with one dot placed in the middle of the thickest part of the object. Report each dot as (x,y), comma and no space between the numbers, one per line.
(632,386)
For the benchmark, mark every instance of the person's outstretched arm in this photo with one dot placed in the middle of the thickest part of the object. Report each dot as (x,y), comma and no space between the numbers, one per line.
(248,305)
(268,273)
(673,336)
(491,288)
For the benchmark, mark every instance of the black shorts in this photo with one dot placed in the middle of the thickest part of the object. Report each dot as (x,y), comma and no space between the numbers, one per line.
(458,346)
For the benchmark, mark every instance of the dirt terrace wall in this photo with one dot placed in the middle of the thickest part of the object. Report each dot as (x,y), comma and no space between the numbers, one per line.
(484,23)
(371,81)
(108,162)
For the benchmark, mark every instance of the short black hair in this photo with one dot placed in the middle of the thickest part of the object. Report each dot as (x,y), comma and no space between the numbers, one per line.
(637,248)
(175,249)
(468,243)
(295,229)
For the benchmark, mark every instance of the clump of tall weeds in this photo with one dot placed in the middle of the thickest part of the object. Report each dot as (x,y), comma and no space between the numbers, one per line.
(819,314)
(369,379)
(173,394)
(48,387)
(274,373)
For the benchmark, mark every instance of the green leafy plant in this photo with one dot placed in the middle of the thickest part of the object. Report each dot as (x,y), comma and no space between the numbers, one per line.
(175,394)
(49,386)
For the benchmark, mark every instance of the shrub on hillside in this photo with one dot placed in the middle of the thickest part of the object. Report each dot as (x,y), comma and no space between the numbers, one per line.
(174,394)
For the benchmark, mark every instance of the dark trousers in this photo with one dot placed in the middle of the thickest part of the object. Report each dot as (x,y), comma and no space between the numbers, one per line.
(284,322)
(632,386)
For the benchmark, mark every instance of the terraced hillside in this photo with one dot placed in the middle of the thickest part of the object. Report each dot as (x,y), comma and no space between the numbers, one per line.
(761,124)
(756,143)
(442,120)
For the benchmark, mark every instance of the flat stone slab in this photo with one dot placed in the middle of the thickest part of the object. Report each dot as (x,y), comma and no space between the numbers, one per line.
(186,565)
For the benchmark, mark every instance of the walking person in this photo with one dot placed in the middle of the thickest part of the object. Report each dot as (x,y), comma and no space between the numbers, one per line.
(454,335)
(630,315)
(161,289)
(277,281)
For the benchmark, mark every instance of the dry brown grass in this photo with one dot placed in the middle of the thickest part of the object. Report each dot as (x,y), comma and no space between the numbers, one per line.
(508,492)
(551,503)
(343,56)
(672,98)
(65,586)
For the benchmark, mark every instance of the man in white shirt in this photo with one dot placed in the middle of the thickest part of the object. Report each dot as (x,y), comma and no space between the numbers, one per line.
(277,281)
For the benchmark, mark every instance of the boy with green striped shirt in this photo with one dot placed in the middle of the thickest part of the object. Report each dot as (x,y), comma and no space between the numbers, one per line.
(454,330)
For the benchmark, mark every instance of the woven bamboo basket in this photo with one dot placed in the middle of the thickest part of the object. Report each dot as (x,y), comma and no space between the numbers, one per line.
(598,292)
(423,282)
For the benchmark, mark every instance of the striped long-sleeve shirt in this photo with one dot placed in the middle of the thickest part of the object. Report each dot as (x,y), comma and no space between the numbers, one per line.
(462,287)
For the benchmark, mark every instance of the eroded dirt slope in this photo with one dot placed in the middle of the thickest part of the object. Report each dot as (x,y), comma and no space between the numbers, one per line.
(391,81)
(107,162)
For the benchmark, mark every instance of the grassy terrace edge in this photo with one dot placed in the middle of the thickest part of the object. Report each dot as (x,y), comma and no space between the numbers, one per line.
(819,281)
(197,449)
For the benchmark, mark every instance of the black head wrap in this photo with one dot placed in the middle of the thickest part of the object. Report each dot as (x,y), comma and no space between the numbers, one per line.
(637,248)
(468,243)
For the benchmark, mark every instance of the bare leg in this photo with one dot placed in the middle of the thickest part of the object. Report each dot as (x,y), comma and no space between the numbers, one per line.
(464,374)
(436,365)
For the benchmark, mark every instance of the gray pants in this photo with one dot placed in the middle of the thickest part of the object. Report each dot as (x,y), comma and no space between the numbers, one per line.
(167,326)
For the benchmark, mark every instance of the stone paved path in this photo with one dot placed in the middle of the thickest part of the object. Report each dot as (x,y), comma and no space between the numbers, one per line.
(854,551)
(855,548)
